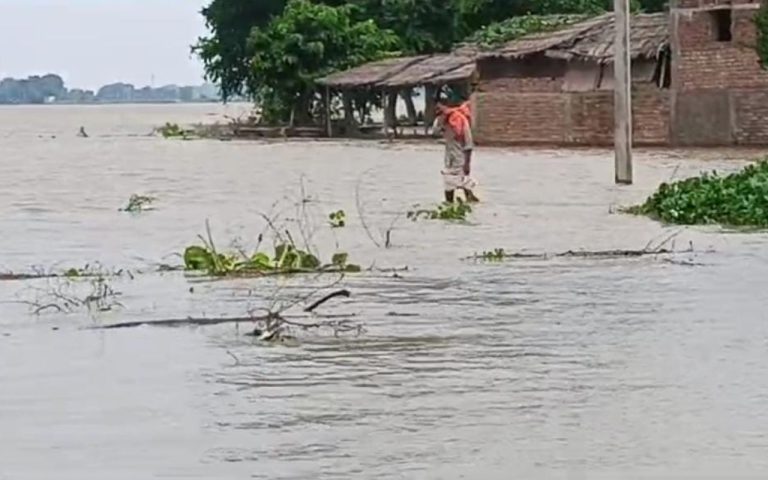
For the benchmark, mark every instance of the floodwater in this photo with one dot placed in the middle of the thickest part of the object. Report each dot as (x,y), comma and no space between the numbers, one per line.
(561,368)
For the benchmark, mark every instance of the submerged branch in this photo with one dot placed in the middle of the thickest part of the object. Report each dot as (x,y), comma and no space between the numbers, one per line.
(500,254)
(330,296)
(202,322)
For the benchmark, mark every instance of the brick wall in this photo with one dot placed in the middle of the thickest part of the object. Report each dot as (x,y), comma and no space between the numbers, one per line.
(722,89)
(506,116)
(703,62)
(520,118)
(751,111)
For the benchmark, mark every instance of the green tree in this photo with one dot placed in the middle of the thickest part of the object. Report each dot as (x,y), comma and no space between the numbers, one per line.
(423,26)
(224,52)
(761,22)
(305,42)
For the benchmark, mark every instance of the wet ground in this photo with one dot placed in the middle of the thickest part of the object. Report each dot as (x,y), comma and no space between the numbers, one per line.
(564,368)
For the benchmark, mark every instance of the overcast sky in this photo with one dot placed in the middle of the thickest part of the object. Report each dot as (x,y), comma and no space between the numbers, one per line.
(94,42)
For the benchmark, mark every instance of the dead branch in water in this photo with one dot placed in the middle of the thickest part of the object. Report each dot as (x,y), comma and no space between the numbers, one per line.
(652,248)
(62,295)
(204,322)
(330,296)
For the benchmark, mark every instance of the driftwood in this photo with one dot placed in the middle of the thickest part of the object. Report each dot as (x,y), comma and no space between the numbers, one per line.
(330,296)
(574,254)
(202,322)
(269,318)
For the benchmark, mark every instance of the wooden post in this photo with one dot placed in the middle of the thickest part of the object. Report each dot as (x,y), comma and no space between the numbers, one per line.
(349,115)
(390,111)
(622,94)
(430,92)
(328,123)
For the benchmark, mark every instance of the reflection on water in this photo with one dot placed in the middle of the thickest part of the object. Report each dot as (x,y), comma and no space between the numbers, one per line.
(518,369)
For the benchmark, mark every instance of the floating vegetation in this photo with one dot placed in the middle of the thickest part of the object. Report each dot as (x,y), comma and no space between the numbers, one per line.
(738,200)
(88,271)
(138,203)
(495,255)
(173,130)
(453,212)
(287,259)
(338,219)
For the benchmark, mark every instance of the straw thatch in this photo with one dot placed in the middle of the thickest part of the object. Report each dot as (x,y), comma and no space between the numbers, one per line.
(592,40)
(369,74)
(425,71)
(404,72)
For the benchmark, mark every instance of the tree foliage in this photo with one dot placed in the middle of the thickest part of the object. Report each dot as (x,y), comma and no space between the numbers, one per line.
(423,26)
(224,52)
(305,42)
(761,22)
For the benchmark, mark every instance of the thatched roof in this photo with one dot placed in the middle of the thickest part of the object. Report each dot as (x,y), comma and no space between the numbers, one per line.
(592,40)
(426,71)
(404,72)
(370,73)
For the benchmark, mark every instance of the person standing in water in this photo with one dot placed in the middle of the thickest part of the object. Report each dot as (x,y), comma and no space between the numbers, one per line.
(455,122)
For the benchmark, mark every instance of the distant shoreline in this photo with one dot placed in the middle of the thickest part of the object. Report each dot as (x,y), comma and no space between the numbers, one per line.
(134,102)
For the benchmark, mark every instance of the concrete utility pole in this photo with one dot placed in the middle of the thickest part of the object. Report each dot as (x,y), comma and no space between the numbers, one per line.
(622,94)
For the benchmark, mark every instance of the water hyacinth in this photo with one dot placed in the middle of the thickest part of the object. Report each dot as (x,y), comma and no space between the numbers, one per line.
(739,199)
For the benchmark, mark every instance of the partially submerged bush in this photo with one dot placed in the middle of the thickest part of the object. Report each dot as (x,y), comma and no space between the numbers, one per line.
(738,199)
(173,130)
(456,212)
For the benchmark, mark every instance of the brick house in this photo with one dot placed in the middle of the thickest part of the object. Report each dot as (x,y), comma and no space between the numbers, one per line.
(697,80)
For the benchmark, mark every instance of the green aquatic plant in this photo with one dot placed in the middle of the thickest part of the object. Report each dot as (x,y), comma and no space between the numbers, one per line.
(739,199)
(338,219)
(138,203)
(448,211)
(287,259)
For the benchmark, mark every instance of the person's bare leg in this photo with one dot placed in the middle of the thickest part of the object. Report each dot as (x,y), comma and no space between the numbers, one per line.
(449,196)
(470,196)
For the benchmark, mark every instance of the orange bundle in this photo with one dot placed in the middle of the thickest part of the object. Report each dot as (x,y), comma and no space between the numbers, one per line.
(458,119)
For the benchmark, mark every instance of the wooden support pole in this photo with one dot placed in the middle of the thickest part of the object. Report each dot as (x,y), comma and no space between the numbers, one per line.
(328,124)
(430,93)
(390,111)
(622,94)
(350,124)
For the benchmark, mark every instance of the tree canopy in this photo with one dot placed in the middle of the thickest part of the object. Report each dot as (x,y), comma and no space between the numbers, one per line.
(305,42)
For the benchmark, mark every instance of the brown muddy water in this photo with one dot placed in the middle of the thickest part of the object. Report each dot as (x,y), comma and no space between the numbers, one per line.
(522,369)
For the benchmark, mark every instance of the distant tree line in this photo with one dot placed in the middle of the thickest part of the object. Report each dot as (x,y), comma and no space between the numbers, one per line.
(271,51)
(51,89)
